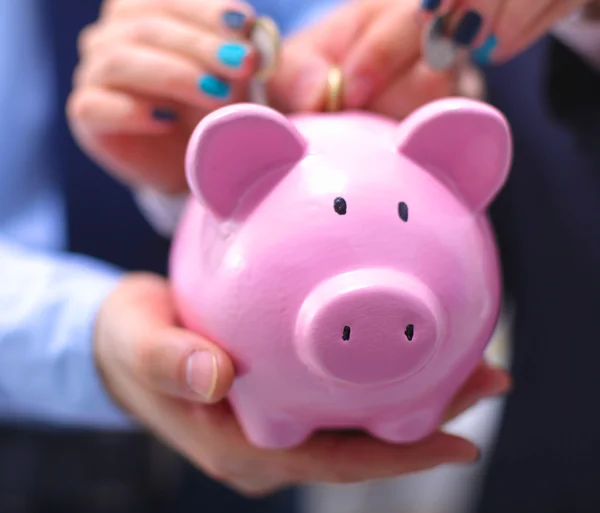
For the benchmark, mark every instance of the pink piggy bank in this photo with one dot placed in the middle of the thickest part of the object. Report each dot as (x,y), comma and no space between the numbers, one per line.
(344,261)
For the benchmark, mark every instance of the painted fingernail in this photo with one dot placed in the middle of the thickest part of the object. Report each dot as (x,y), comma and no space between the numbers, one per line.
(430,5)
(483,54)
(202,373)
(164,114)
(468,28)
(214,87)
(232,54)
(234,19)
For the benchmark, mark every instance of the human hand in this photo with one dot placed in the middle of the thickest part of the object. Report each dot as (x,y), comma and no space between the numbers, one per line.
(142,355)
(497,30)
(149,71)
(378,45)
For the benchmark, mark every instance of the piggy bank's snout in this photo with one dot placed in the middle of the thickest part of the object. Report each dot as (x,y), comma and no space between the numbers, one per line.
(368,327)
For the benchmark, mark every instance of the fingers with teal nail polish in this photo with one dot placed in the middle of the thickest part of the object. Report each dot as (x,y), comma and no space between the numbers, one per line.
(232,55)
(214,87)
(164,114)
(483,55)
(475,26)
(232,60)
(431,5)
(195,61)
(235,20)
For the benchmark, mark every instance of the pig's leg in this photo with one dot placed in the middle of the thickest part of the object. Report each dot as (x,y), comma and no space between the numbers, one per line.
(271,431)
(408,428)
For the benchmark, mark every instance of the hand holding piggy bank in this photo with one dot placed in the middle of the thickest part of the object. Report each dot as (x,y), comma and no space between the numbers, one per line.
(344,261)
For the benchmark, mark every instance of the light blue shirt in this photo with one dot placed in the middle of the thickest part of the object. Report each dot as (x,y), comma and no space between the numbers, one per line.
(49,299)
(293,15)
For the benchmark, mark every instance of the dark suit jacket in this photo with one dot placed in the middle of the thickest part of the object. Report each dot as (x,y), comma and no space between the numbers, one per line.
(548,225)
(103,220)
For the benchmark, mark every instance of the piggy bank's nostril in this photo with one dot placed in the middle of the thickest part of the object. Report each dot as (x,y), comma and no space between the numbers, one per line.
(409,333)
(346,334)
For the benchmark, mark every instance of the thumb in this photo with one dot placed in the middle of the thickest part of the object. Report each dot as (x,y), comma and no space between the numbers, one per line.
(180,363)
(300,83)
(137,337)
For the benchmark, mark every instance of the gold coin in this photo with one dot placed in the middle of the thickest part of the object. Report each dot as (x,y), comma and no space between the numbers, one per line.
(335,90)
(266,38)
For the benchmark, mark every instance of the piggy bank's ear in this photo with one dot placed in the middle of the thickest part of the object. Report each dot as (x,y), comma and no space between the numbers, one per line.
(235,147)
(465,143)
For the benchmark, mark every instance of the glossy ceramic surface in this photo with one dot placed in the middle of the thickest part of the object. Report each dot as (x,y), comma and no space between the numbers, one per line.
(345,261)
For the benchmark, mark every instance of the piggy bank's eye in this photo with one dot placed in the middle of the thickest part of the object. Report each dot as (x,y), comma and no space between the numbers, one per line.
(340,207)
(409,332)
(403,211)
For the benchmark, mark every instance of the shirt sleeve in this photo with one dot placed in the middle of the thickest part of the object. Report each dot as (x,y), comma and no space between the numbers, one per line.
(161,210)
(48,306)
